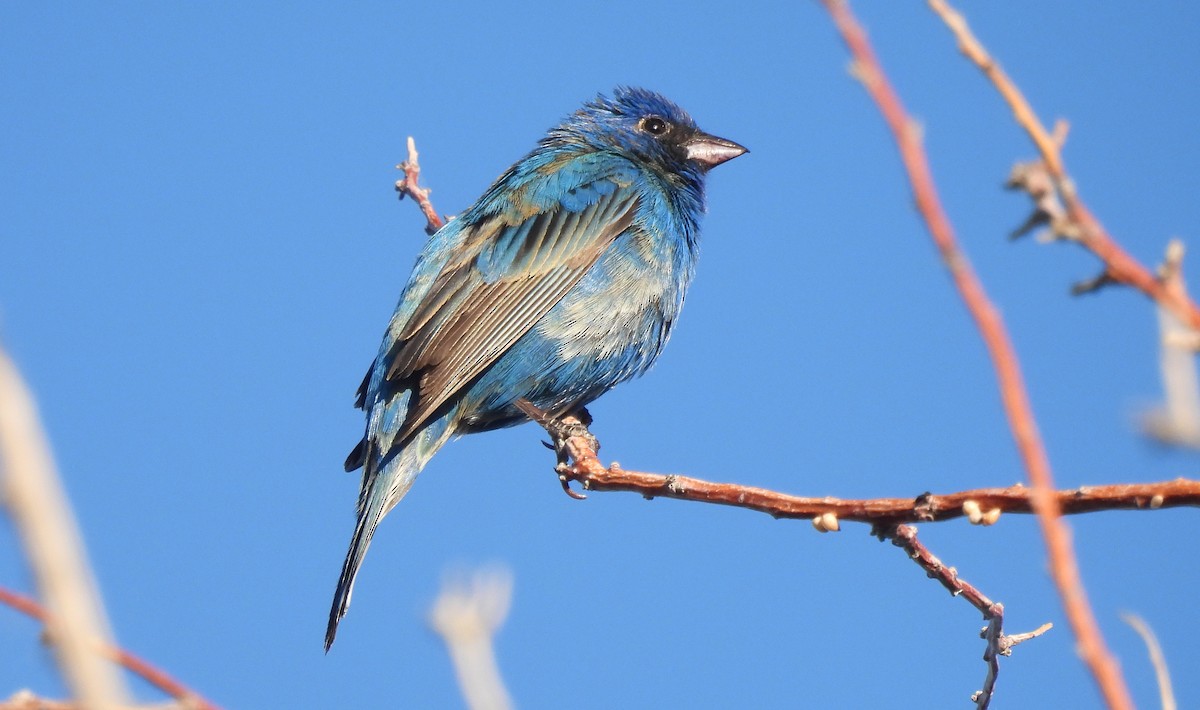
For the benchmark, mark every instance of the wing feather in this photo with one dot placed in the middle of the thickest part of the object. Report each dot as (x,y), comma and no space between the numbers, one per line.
(481,304)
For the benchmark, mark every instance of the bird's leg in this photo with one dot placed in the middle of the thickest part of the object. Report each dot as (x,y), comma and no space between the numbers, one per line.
(570,439)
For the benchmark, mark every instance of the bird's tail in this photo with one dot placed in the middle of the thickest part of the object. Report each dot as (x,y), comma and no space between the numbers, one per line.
(386,479)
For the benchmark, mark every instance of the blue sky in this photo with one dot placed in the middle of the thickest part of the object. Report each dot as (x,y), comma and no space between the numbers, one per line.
(201,248)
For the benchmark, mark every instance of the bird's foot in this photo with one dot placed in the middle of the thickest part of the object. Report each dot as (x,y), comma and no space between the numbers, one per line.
(566,428)
(570,440)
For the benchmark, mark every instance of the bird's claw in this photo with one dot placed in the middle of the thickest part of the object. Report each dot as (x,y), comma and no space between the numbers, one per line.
(562,430)
(564,477)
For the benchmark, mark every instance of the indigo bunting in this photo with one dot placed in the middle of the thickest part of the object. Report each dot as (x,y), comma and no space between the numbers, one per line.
(563,280)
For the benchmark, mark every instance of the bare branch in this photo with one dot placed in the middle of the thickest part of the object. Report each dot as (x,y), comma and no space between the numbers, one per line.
(1079,223)
(135,664)
(1063,566)
(42,515)
(1165,693)
(26,700)
(466,615)
(1178,422)
(409,185)
(980,506)
(578,462)
(998,644)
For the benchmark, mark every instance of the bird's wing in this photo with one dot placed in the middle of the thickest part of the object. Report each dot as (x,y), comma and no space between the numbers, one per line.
(511,272)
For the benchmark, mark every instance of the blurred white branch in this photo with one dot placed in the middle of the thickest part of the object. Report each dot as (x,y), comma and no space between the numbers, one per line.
(466,614)
(1178,422)
(42,515)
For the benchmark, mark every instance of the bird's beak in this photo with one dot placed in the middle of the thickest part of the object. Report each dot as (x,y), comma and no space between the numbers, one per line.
(710,151)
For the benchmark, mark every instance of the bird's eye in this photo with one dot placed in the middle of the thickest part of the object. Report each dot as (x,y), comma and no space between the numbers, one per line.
(654,125)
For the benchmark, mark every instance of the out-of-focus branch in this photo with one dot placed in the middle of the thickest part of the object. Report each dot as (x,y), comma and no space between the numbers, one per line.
(1178,422)
(1078,223)
(1063,566)
(466,615)
(42,515)
(147,671)
(26,700)
(409,185)
(1166,693)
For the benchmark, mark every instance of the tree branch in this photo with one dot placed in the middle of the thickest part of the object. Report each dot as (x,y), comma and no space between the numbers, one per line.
(1166,694)
(467,614)
(408,185)
(1178,422)
(31,490)
(998,644)
(1077,223)
(980,506)
(1063,566)
(147,671)
(576,449)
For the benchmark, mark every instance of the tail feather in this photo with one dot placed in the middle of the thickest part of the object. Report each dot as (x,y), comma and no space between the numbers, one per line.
(363,532)
(385,481)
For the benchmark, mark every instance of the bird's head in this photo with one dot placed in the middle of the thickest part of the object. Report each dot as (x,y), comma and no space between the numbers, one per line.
(647,127)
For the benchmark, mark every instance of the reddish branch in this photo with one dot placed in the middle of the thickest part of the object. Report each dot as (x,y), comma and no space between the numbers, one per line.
(148,672)
(1081,225)
(578,462)
(883,512)
(581,465)
(998,643)
(1063,566)
(409,185)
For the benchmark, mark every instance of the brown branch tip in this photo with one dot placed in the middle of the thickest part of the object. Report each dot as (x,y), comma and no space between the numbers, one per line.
(409,185)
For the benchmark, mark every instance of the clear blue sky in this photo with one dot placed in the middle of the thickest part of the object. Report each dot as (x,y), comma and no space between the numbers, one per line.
(201,248)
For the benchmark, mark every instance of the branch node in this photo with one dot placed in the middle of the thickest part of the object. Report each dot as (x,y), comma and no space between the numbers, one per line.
(1007,642)
(1034,179)
(924,507)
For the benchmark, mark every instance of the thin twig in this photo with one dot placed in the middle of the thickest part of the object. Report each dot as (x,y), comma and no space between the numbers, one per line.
(42,516)
(409,185)
(1063,566)
(1166,693)
(998,644)
(144,669)
(1119,266)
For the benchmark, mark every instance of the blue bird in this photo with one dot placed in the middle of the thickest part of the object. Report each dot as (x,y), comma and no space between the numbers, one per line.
(564,279)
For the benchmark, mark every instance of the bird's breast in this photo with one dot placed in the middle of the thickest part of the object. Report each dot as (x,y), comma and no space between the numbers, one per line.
(624,308)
